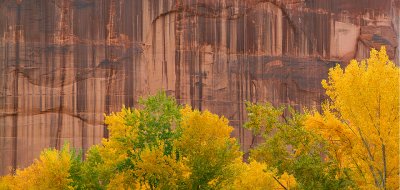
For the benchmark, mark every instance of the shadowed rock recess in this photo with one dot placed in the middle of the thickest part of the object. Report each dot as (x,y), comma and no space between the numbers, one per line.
(63,63)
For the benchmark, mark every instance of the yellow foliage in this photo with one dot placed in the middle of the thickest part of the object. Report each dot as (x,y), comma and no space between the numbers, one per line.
(252,176)
(288,181)
(5,182)
(114,150)
(256,176)
(161,169)
(116,124)
(124,180)
(362,119)
(203,132)
(206,147)
(51,171)
(128,166)
(337,133)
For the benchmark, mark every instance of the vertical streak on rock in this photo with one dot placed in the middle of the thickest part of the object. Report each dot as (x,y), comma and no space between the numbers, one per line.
(178,18)
(200,82)
(195,40)
(87,55)
(254,35)
(64,37)
(155,52)
(108,99)
(128,85)
(238,84)
(15,93)
(109,35)
(48,64)
(61,100)
(242,80)
(192,55)
(106,53)
(135,39)
(128,12)
(94,107)
(3,105)
(51,64)
(165,63)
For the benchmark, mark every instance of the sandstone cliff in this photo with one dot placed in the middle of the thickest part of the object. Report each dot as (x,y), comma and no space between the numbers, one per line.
(64,63)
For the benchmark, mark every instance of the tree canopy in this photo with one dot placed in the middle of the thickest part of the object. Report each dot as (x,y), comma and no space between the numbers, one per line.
(361,119)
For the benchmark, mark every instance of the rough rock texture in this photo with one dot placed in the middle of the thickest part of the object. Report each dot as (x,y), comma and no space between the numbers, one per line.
(63,63)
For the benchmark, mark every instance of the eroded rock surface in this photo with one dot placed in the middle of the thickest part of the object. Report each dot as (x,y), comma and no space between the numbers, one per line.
(64,63)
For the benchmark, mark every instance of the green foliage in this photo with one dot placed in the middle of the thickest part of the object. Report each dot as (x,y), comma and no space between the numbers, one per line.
(75,168)
(262,118)
(156,122)
(290,148)
(136,138)
(86,175)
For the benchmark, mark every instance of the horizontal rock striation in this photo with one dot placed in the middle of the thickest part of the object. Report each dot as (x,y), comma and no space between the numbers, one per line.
(64,63)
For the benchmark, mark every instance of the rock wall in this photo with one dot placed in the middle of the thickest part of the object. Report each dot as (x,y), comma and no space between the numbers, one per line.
(63,63)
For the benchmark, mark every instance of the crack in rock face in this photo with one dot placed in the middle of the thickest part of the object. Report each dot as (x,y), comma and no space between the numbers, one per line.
(64,63)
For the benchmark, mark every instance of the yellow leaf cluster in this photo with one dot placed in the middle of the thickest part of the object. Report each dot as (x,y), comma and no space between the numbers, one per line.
(255,175)
(116,124)
(362,119)
(51,171)
(207,148)
(204,132)
(119,131)
(332,129)
(164,170)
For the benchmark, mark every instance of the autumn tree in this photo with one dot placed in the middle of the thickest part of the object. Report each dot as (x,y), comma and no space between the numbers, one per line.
(361,119)
(50,171)
(214,159)
(289,148)
(207,149)
(139,152)
(160,145)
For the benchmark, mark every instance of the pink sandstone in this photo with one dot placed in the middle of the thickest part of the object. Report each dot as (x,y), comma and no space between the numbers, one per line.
(64,63)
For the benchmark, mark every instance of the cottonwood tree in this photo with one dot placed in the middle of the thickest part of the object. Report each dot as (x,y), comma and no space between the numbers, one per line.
(207,149)
(361,119)
(290,148)
(139,152)
(50,171)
